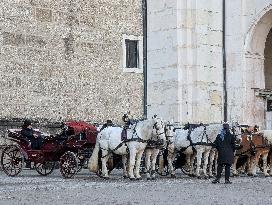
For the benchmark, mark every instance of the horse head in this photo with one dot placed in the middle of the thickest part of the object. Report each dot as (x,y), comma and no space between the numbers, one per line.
(159,127)
(237,131)
(169,132)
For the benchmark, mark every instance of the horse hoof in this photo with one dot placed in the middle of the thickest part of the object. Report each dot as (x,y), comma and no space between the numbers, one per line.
(267,175)
(125,177)
(206,177)
(132,179)
(173,176)
(148,178)
(153,178)
(139,178)
(210,176)
(105,177)
(199,177)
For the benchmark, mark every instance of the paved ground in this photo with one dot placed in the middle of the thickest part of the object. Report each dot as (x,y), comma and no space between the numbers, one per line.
(86,188)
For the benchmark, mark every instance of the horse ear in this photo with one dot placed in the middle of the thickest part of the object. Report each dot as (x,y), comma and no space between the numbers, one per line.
(155,116)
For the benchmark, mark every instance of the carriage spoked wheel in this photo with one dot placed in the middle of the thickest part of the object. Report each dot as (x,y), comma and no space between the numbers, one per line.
(45,168)
(185,170)
(68,164)
(12,160)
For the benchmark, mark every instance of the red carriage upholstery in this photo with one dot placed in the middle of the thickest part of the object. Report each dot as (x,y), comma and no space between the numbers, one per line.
(83,127)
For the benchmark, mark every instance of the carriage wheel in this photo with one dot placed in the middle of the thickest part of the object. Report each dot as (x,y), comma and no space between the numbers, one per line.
(68,164)
(12,160)
(164,171)
(185,170)
(45,168)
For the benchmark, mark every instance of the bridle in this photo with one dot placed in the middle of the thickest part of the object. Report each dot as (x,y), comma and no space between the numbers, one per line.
(168,137)
(157,128)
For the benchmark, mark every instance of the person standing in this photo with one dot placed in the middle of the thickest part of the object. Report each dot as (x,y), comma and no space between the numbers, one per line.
(225,145)
(126,119)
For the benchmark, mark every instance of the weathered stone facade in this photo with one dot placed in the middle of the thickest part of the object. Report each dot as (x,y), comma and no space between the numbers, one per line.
(62,59)
(185,60)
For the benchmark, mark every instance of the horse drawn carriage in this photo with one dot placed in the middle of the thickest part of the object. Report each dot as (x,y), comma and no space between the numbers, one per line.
(71,148)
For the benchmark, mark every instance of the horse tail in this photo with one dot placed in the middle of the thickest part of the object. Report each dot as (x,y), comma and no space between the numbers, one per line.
(93,161)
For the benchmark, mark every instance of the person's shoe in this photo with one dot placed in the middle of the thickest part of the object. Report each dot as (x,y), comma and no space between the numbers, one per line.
(215,181)
(228,182)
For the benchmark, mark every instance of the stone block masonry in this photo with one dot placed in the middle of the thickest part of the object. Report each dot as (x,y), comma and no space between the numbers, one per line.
(62,60)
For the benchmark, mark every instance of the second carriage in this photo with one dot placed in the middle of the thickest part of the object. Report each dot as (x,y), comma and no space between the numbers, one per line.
(71,149)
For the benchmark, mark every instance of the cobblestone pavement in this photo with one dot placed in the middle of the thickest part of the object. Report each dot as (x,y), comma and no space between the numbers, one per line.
(86,188)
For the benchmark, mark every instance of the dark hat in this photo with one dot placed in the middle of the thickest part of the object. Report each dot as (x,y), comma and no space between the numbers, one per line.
(27,122)
(109,122)
(226,126)
(125,116)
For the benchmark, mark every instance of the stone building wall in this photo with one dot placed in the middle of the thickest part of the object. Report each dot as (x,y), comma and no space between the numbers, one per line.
(247,26)
(185,64)
(62,60)
(185,60)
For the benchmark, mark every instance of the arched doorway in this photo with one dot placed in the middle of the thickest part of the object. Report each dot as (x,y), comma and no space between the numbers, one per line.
(258,63)
(268,79)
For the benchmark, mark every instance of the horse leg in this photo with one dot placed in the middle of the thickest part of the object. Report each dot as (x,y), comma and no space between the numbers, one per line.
(147,163)
(104,161)
(154,156)
(234,169)
(215,162)
(198,163)
(250,166)
(246,166)
(264,158)
(270,161)
(170,159)
(256,162)
(132,155)
(138,163)
(124,161)
(191,158)
(205,163)
(161,163)
(212,156)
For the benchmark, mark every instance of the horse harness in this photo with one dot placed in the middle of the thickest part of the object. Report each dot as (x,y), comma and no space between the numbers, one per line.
(204,135)
(253,148)
(136,139)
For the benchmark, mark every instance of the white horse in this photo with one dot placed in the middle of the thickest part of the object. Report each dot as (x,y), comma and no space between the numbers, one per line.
(109,141)
(151,153)
(194,143)
(183,142)
(204,147)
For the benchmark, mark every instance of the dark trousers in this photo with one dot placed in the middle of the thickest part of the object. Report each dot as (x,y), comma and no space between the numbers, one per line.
(227,171)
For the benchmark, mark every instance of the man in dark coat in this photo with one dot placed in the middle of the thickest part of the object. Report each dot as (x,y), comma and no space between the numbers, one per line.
(28,132)
(225,145)
(126,119)
(107,124)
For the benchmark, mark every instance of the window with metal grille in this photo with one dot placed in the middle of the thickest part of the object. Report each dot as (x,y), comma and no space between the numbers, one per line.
(132,54)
